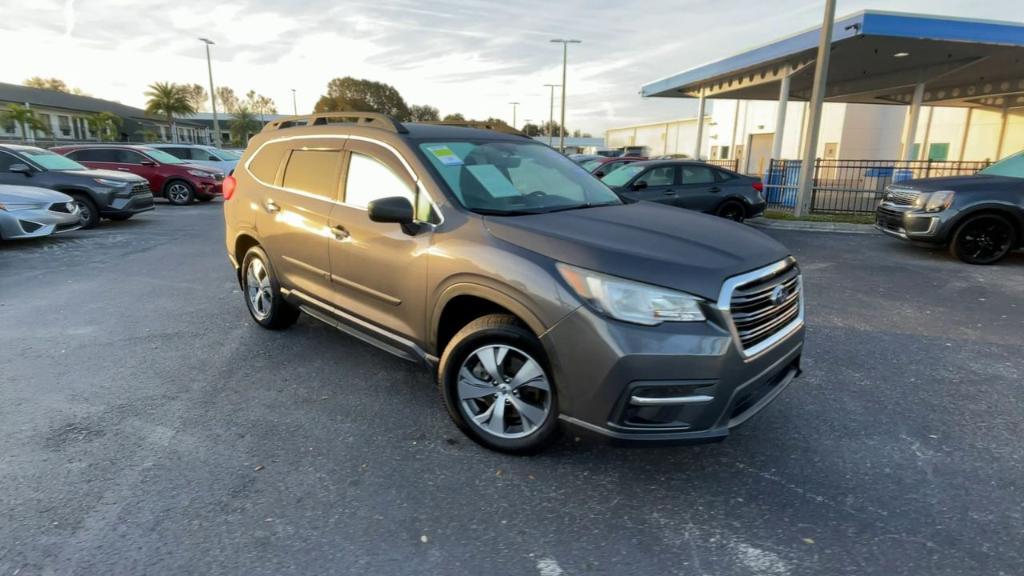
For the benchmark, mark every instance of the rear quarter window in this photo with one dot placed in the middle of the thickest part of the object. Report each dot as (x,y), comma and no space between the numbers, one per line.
(266,161)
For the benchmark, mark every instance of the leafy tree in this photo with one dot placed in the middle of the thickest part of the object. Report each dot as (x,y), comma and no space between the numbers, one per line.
(106,124)
(169,100)
(243,124)
(424,113)
(228,101)
(531,129)
(551,127)
(457,117)
(495,122)
(52,84)
(25,118)
(358,95)
(198,95)
(260,105)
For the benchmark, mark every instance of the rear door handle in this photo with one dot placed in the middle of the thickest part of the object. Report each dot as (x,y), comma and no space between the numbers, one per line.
(340,232)
(271,207)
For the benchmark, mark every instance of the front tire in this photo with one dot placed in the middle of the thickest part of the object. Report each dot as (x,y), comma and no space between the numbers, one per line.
(732,210)
(983,239)
(497,386)
(263,293)
(89,213)
(179,193)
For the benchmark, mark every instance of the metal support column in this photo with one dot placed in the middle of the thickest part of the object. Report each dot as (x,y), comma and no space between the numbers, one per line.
(803,194)
(914,116)
(700,125)
(1002,128)
(780,115)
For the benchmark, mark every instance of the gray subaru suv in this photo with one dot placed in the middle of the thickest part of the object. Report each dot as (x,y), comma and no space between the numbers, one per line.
(536,295)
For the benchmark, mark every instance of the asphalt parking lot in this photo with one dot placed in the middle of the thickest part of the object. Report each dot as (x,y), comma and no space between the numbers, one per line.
(147,426)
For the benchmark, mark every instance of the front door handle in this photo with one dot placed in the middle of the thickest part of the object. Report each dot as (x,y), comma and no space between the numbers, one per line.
(669,192)
(715,189)
(123,169)
(271,207)
(340,232)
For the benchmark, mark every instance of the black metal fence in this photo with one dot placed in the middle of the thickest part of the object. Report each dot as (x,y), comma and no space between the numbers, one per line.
(727,164)
(852,186)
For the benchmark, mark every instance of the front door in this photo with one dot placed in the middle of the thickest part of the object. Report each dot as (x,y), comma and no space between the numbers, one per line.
(656,184)
(378,271)
(698,189)
(292,218)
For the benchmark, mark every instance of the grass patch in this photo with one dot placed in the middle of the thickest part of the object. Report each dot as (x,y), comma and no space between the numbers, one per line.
(844,218)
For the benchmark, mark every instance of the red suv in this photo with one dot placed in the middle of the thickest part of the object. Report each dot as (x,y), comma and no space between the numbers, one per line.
(178,181)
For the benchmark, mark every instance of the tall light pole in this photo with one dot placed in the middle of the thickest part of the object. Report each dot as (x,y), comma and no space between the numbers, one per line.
(515,109)
(805,187)
(551,113)
(295,107)
(565,63)
(213,93)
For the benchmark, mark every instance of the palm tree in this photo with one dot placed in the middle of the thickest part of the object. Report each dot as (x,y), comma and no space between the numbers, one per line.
(25,118)
(244,124)
(169,100)
(105,124)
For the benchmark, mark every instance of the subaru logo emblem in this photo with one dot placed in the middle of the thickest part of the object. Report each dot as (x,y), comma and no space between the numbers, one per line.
(779,295)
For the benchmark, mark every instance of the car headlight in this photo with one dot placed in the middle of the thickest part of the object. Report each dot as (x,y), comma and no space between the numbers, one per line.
(937,201)
(631,301)
(201,173)
(110,183)
(11,207)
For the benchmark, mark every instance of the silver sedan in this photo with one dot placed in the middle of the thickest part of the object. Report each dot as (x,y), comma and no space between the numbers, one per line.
(30,212)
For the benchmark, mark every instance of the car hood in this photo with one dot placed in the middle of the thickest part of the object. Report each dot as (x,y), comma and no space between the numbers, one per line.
(197,166)
(30,195)
(108,174)
(963,183)
(647,242)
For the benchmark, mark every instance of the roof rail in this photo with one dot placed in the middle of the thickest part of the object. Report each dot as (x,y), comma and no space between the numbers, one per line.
(368,119)
(503,128)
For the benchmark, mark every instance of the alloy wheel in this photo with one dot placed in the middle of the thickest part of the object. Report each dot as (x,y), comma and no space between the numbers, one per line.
(985,240)
(732,211)
(504,392)
(178,193)
(84,213)
(257,286)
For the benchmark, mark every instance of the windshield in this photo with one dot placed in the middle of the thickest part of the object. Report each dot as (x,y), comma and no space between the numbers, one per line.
(622,175)
(228,154)
(590,165)
(1012,166)
(510,177)
(52,160)
(163,157)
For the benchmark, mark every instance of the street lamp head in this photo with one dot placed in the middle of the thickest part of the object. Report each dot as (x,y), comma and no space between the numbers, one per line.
(566,41)
(207,40)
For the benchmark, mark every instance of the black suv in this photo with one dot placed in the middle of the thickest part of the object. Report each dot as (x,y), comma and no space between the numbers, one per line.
(980,217)
(98,193)
(536,294)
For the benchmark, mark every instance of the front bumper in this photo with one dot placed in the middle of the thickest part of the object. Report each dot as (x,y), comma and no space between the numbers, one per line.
(209,188)
(673,383)
(36,223)
(906,223)
(137,202)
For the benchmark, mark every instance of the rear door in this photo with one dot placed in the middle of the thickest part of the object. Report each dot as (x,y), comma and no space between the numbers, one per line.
(656,184)
(698,188)
(291,218)
(140,164)
(378,271)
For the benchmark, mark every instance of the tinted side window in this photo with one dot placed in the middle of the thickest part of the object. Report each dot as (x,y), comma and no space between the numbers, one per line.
(698,175)
(177,152)
(313,171)
(265,164)
(370,180)
(128,157)
(7,160)
(723,175)
(200,154)
(93,155)
(664,176)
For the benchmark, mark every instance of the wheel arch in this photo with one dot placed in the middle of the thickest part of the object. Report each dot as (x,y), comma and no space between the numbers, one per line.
(1009,211)
(243,242)
(464,302)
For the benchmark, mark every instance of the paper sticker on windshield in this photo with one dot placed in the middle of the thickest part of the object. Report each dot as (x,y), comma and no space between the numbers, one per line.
(445,155)
(496,184)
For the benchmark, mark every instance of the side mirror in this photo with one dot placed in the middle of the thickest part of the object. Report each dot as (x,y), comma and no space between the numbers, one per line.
(21,169)
(396,209)
(599,173)
(640,185)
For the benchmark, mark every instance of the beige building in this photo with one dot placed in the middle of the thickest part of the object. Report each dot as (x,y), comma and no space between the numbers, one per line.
(744,130)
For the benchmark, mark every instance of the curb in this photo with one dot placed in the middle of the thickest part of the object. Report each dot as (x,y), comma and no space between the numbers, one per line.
(834,227)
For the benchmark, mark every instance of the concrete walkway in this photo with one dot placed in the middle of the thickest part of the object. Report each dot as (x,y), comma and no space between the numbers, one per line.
(839,227)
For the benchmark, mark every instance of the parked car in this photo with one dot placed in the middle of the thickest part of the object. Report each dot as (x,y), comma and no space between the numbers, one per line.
(980,217)
(223,160)
(536,294)
(170,177)
(98,193)
(31,212)
(581,158)
(693,185)
(600,167)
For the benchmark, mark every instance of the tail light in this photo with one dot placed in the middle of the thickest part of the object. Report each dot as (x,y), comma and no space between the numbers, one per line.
(228,187)
(759,186)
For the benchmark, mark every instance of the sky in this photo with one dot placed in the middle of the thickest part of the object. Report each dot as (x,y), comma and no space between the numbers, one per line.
(468,56)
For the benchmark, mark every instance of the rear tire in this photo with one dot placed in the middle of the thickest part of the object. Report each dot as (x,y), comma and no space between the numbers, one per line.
(90,214)
(496,383)
(263,293)
(983,239)
(179,193)
(732,210)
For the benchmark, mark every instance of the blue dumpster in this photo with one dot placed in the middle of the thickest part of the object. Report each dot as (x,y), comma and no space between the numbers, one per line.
(782,183)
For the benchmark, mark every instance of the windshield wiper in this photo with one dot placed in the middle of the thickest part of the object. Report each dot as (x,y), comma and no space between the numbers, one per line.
(490,212)
(582,206)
